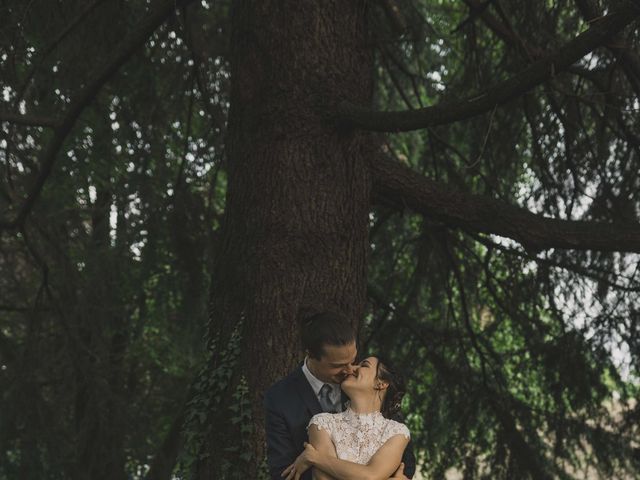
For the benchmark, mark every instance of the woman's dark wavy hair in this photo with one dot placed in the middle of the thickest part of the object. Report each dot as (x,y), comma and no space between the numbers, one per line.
(386,372)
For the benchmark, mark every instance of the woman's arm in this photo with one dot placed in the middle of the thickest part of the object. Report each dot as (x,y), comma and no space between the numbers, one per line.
(321,441)
(321,446)
(381,466)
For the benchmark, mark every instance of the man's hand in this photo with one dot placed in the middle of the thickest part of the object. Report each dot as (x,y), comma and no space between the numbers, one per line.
(304,461)
(399,473)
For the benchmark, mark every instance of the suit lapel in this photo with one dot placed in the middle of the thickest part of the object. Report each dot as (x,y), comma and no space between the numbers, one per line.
(306,393)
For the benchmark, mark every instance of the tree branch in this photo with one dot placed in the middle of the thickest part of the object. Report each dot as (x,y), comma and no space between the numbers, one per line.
(498,401)
(395,16)
(29,120)
(349,115)
(18,308)
(502,31)
(164,461)
(590,272)
(397,184)
(139,35)
(629,62)
(56,41)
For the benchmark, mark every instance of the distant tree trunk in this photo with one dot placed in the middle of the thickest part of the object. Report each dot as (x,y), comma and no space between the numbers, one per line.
(294,238)
(99,322)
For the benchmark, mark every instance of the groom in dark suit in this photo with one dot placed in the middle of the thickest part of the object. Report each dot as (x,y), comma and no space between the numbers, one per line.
(312,388)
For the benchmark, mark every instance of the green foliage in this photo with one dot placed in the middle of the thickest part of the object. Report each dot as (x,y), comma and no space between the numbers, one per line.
(482,326)
(240,409)
(207,399)
(106,287)
(103,293)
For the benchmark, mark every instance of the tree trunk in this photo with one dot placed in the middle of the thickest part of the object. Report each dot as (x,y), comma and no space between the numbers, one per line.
(99,359)
(294,237)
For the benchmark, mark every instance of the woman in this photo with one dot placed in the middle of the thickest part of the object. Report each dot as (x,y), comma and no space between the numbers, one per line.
(362,442)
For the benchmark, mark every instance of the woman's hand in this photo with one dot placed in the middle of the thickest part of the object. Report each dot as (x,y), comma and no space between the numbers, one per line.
(305,460)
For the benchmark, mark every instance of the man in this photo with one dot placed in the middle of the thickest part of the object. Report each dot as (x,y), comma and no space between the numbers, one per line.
(314,387)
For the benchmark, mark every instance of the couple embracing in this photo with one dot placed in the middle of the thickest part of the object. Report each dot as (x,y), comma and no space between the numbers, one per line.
(333,418)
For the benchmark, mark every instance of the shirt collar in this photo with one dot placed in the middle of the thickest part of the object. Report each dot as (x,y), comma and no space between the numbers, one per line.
(315,382)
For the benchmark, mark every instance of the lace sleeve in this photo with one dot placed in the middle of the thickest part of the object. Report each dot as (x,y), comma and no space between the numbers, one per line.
(324,421)
(395,428)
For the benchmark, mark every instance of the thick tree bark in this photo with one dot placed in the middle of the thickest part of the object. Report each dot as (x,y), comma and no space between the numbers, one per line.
(294,238)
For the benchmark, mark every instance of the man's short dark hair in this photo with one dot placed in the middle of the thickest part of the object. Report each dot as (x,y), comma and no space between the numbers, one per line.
(325,328)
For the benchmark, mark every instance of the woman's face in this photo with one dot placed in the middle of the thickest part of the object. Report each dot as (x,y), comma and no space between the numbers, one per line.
(363,376)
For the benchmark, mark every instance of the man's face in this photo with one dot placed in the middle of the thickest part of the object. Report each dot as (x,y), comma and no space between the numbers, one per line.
(335,364)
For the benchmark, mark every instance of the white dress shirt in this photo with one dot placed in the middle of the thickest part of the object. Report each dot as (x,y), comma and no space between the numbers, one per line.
(335,395)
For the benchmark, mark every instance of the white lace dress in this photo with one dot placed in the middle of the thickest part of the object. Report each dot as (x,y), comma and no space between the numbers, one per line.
(358,436)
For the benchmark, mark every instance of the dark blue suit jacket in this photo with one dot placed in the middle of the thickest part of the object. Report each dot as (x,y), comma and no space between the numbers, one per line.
(289,405)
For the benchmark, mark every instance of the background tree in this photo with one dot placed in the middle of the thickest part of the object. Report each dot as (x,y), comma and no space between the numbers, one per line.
(491,248)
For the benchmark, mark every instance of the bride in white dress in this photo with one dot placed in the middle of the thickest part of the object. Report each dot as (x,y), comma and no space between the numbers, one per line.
(361,442)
